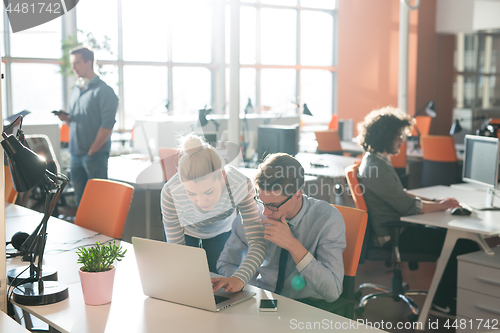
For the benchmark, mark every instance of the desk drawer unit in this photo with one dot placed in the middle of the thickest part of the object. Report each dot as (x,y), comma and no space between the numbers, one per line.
(478,306)
(478,294)
(481,279)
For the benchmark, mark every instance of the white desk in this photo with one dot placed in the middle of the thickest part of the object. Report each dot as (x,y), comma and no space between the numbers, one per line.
(333,173)
(335,164)
(8,325)
(12,210)
(477,227)
(131,311)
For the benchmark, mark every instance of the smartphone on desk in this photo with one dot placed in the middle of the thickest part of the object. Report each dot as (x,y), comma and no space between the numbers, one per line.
(268,305)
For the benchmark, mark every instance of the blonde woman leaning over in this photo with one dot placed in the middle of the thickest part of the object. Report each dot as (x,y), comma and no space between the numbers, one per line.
(201,201)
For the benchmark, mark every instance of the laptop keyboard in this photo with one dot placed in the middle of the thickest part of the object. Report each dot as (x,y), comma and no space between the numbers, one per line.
(220,299)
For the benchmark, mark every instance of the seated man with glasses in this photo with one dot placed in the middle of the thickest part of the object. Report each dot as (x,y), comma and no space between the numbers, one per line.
(305,237)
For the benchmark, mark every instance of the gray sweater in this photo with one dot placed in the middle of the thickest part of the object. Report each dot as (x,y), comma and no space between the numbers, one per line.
(384,194)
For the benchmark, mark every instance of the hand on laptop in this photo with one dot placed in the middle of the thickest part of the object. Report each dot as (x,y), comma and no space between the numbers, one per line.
(232,284)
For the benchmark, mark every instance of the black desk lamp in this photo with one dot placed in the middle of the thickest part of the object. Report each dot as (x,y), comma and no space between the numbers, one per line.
(27,170)
(430,111)
(202,117)
(306,110)
(487,129)
(246,132)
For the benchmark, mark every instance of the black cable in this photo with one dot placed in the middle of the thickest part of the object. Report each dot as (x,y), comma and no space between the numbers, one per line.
(17,285)
(76,241)
(77,247)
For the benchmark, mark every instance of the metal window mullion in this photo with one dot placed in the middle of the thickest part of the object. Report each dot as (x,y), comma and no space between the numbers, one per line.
(218,57)
(121,88)
(258,102)
(69,28)
(460,65)
(477,72)
(234,71)
(8,65)
(334,60)
(170,77)
(298,61)
(488,40)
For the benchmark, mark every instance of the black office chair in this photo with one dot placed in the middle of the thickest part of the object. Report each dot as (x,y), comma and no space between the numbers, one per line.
(35,198)
(389,253)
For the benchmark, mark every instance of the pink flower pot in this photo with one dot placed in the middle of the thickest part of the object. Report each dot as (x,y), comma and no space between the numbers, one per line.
(97,286)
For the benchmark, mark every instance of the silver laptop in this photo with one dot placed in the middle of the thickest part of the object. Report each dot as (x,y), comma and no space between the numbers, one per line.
(179,274)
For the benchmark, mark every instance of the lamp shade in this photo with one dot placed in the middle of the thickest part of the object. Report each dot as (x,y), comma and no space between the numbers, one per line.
(249,107)
(202,116)
(26,167)
(306,110)
(455,127)
(430,110)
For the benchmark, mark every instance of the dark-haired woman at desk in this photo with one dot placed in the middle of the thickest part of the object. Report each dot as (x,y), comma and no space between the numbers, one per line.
(381,134)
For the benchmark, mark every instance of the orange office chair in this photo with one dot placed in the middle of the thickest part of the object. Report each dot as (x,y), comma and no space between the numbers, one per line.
(399,164)
(10,192)
(440,165)
(422,126)
(399,289)
(355,226)
(328,142)
(334,122)
(169,159)
(64,135)
(104,207)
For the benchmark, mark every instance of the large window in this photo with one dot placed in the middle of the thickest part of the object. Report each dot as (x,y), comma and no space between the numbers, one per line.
(287,56)
(30,63)
(172,57)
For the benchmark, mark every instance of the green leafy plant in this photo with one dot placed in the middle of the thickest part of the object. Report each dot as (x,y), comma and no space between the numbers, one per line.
(82,39)
(100,257)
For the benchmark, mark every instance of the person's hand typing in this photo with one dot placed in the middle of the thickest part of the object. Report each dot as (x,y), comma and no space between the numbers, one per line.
(232,284)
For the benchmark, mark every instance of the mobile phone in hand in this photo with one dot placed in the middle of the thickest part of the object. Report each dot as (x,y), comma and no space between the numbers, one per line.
(268,305)
(57,113)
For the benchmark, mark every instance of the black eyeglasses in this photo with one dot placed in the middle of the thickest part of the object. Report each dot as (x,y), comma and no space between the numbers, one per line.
(273,207)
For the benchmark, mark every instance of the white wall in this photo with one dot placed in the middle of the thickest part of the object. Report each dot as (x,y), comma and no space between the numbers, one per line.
(467,16)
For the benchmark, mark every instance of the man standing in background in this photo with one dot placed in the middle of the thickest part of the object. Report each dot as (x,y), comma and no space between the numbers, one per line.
(92,111)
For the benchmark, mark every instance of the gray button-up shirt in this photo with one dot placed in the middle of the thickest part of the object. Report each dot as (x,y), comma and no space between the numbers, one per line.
(320,228)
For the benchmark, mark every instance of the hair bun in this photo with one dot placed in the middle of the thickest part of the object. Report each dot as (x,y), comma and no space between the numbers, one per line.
(191,144)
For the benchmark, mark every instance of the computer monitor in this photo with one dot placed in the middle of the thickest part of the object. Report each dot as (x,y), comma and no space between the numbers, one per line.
(211,138)
(481,165)
(277,139)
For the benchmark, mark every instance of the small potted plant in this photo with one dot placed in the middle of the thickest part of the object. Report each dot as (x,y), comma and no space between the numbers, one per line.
(97,273)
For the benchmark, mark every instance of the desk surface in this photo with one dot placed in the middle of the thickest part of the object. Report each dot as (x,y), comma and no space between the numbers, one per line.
(485,223)
(335,164)
(476,227)
(8,325)
(135,170)
(354,148)
(132,311)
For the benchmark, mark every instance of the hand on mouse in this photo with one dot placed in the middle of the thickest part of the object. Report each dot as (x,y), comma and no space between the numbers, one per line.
(448,203)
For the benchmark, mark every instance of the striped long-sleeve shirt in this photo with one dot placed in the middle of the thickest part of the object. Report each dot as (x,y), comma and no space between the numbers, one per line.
(181,217)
